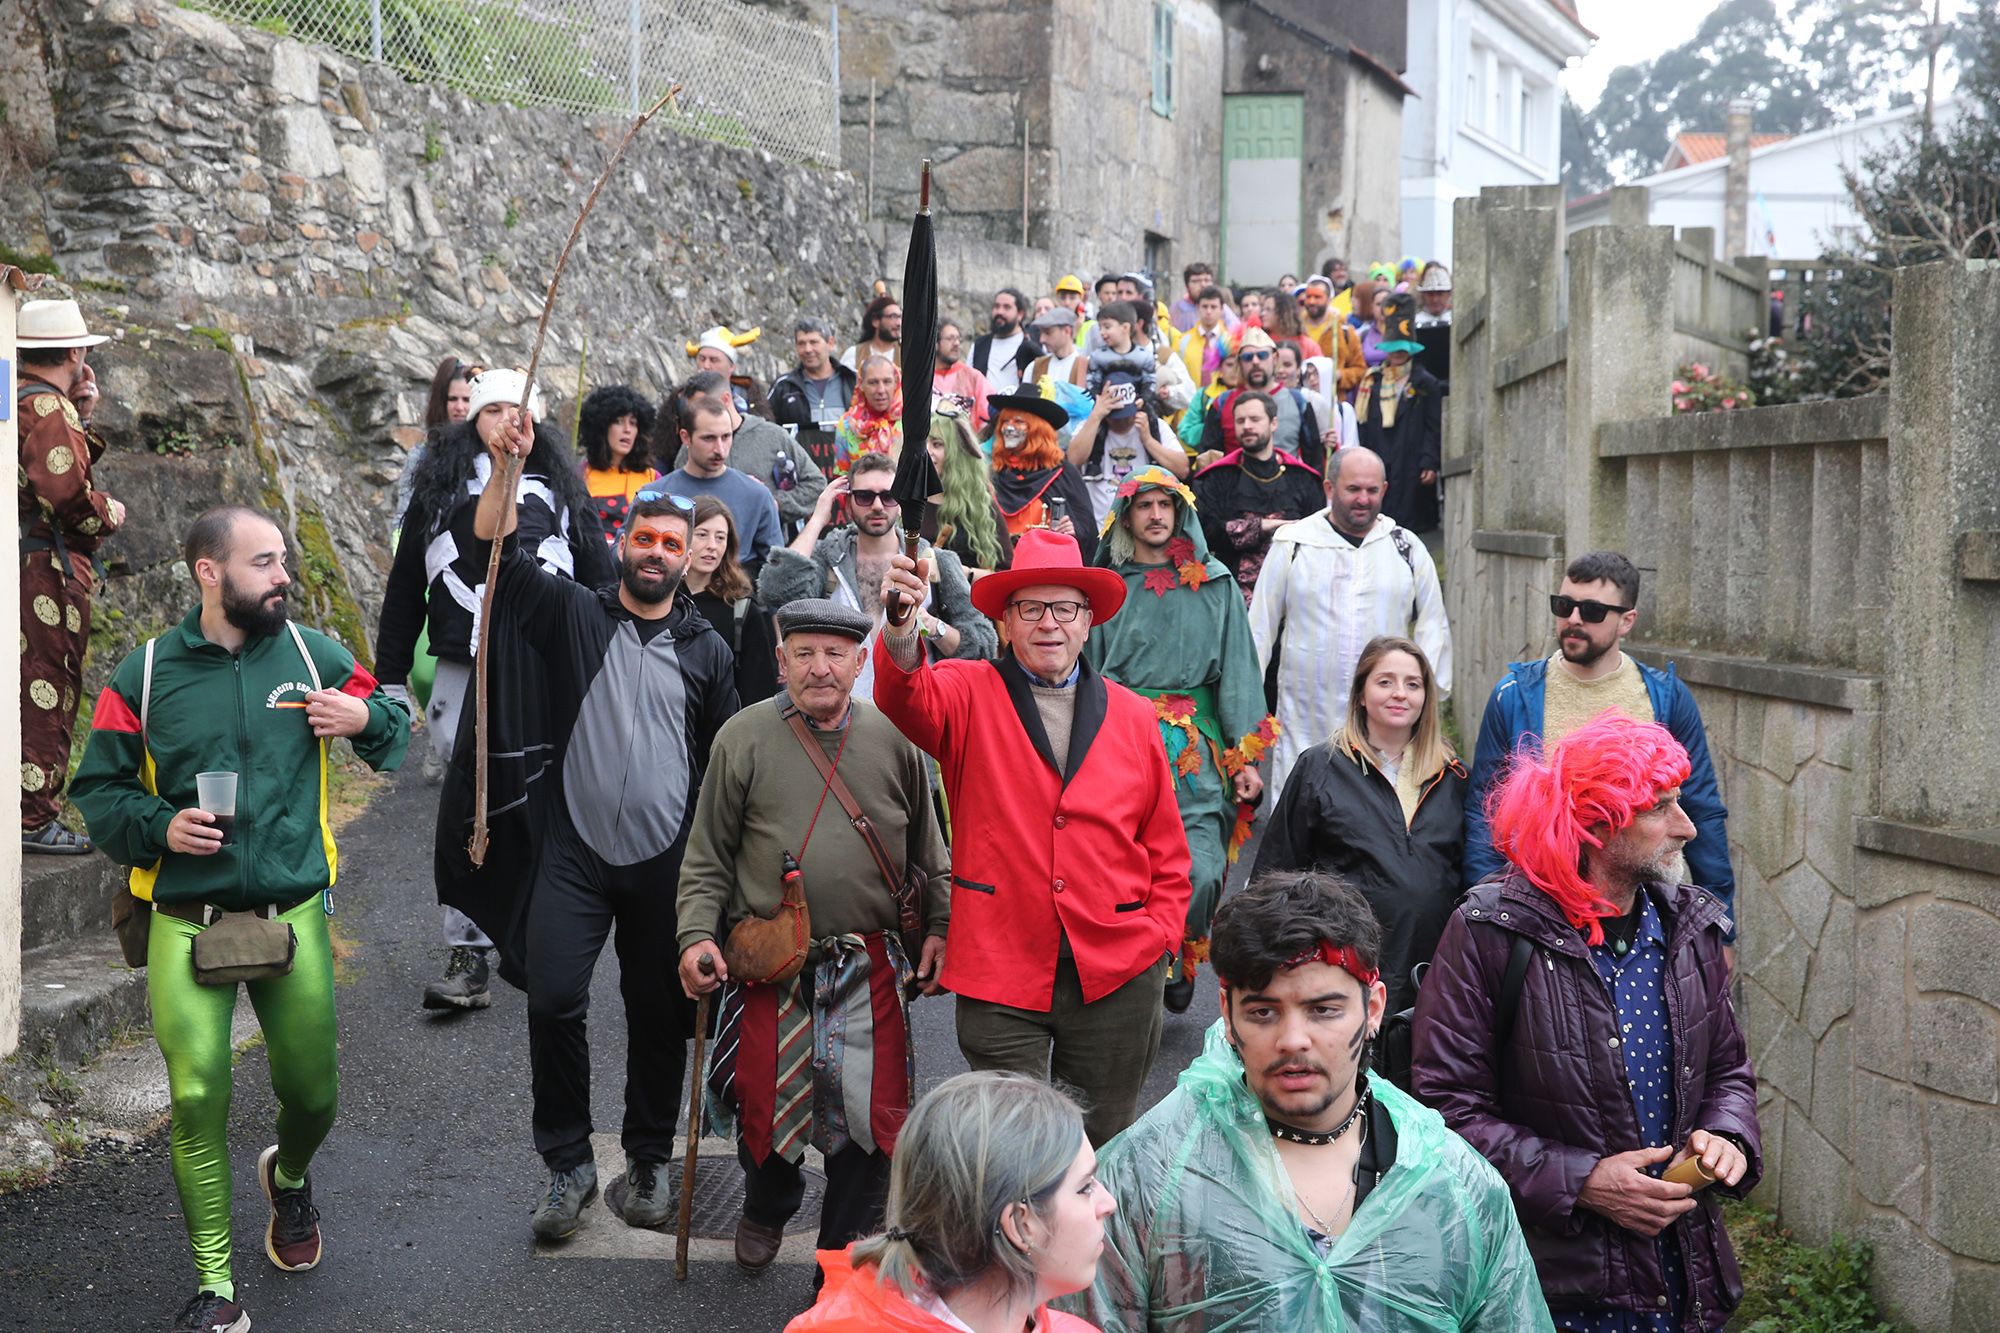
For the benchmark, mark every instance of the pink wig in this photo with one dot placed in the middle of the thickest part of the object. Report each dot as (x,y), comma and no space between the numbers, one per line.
(1605,772)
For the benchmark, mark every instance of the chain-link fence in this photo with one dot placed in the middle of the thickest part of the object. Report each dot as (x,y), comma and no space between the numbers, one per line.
(749,77)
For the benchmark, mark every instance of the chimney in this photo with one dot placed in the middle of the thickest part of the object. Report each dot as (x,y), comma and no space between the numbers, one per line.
(1736,190)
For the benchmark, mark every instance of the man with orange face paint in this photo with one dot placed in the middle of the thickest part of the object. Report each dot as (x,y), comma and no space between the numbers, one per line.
(616,827)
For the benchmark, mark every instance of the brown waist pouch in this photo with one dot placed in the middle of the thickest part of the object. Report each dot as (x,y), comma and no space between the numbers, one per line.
(767,950)
(243,946)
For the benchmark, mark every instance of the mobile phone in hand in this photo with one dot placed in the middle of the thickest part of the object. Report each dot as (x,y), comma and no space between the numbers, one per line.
(1055,510)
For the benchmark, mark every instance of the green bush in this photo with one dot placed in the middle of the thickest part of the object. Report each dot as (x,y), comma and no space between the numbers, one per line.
(1793,1288)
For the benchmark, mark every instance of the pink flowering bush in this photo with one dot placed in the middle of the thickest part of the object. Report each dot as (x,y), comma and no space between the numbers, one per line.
(1697,388)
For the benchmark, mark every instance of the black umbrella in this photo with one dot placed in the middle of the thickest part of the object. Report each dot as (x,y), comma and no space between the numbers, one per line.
(912,487)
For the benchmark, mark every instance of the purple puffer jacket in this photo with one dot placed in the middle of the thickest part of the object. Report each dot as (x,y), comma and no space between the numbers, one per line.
(1545,1109)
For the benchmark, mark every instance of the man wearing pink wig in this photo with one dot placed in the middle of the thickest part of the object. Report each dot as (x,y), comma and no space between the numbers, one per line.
(1575,1028)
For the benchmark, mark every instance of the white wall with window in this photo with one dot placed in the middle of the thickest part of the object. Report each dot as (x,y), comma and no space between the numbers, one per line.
(1488,110)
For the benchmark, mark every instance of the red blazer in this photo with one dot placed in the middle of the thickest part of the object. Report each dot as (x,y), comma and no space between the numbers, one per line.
(1099,854)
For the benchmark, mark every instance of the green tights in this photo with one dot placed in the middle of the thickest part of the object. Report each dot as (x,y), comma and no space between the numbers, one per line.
(191,1022)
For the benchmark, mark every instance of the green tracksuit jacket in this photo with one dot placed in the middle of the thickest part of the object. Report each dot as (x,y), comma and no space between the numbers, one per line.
(216,711)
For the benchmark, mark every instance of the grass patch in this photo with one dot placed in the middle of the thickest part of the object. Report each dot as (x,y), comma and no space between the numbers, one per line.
(1790,1287)
(28,263)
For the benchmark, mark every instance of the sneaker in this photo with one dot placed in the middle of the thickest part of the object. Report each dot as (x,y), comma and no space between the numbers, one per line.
(209,1313)
(52,839)
(644,1203)
(291,1237)
(464,984)
(570,1192)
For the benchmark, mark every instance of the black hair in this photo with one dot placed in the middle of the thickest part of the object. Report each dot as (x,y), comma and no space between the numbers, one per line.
(437,408)
(601,410)
(1210,293)
(1110,279)
(211,536)
(450,454)
(656,505)
(1020,300)
(1198,266)
(674,414)
(43,356)
(864,464)
(873,315)
(1609,566)
(1122,311)
(1283,914)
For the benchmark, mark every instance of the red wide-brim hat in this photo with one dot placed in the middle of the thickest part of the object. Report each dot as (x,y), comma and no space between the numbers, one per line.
(1044,557)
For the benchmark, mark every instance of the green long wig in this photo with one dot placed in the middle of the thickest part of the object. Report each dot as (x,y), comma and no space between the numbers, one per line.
(967,504)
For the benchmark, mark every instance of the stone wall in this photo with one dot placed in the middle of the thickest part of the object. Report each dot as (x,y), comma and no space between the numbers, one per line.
(1827,579)
(287,241)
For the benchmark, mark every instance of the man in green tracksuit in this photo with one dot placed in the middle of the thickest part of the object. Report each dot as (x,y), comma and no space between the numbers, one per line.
(236,687)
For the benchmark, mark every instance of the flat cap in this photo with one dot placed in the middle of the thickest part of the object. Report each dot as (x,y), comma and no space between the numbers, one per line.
(817,615)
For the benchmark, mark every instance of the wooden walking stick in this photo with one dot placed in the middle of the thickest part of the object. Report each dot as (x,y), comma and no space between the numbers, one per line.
(692,1147)
(509,473)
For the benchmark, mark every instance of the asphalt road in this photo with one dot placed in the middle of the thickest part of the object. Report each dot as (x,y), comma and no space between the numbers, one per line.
(426,1181)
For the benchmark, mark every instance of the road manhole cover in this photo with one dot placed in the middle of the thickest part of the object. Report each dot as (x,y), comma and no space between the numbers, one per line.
(718,1198)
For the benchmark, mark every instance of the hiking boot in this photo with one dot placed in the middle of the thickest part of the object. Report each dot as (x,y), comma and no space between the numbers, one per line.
(52,839)
(757,1245)
(464,984)
(644,1203)
(570,1192)
(209,1313)
(1179,995)
(291,1237)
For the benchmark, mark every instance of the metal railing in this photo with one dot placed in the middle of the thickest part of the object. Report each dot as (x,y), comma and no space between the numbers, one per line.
(749,77)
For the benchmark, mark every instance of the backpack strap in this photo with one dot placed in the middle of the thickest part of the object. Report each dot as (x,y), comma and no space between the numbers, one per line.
(1404,548)
(312,668)
(1522,954)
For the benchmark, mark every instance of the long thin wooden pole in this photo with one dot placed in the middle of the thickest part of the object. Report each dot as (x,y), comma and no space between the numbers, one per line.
(509,473)
(684,1224)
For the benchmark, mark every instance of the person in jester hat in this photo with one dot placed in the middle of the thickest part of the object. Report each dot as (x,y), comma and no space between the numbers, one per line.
(1184,642)
(1030,471)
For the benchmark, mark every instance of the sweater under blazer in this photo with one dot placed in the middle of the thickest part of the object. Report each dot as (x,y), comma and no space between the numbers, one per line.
(1092,850)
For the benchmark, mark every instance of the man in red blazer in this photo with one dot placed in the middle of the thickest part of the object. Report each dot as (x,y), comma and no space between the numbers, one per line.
(1069,863)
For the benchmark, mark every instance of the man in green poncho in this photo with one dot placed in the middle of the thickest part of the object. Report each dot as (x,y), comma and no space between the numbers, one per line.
(1183,640)
(1282,1187)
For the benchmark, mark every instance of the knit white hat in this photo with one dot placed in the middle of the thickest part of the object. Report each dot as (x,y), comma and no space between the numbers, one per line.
(503,386)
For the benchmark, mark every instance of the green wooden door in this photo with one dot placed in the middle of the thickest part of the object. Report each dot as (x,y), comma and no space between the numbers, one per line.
(1262,184)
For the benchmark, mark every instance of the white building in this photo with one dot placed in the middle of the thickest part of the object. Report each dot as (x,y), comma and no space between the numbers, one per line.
(1798,204)
(1488,109)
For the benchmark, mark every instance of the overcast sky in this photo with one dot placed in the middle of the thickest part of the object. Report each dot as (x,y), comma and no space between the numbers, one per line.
(1634,30)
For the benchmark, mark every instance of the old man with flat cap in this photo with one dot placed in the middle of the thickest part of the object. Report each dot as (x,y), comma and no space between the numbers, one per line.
(814,814)
(1069,863)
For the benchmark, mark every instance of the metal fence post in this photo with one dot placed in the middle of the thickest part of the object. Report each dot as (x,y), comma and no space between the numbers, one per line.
(375,29)
(634,41)
(834,21)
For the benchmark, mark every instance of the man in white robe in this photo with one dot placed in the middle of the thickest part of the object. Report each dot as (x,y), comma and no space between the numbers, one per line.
(1333,581)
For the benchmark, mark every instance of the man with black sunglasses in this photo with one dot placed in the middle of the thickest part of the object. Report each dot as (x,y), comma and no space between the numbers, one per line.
(637,686)
(845,562)
(1543,701)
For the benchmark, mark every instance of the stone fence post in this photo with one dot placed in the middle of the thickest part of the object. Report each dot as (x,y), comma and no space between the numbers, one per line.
(1943,677)
(1621,360)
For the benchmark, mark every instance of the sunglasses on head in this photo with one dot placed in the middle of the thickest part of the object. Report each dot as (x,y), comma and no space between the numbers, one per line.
(869,499)
(1593,613)
(680,502)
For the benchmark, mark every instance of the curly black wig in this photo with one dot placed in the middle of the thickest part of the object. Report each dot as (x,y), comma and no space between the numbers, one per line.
(603,407)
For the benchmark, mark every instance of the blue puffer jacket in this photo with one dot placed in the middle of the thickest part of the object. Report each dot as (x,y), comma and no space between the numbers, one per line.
(1514,714)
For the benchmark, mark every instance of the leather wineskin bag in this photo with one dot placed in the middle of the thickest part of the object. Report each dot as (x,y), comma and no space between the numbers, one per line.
(765,950)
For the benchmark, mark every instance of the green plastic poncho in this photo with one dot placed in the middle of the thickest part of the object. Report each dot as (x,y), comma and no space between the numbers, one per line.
(1206,1239)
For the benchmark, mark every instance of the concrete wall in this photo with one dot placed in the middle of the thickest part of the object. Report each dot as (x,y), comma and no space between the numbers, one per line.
(1827,579)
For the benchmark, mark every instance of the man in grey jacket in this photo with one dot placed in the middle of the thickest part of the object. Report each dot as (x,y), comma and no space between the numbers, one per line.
(847,563)
(763,450)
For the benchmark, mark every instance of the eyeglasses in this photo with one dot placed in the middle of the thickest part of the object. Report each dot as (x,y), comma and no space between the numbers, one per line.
(1254,356)
(869,499)
(1064,612)
(680,502)
(1593,613)
(670,542)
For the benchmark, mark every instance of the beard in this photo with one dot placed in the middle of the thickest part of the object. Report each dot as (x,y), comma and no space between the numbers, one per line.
(252,614)
(1004,328)
(1257,378)
(1582,652)
(649,594)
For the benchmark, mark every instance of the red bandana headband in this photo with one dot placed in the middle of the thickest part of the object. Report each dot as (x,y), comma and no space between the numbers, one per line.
(1343,958)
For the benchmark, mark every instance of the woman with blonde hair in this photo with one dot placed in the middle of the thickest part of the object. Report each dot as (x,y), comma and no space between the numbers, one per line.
(1382,805)
(994,1210)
